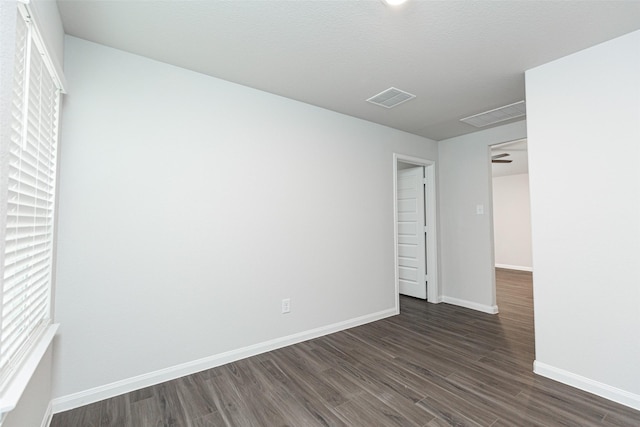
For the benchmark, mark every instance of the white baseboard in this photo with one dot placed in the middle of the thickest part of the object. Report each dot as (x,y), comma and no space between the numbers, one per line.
(623,397)
(514,267)
(491,309)
(46,421)
(127,385)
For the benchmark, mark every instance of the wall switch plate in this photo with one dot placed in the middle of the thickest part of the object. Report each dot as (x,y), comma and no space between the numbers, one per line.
(479,209)
(286,305)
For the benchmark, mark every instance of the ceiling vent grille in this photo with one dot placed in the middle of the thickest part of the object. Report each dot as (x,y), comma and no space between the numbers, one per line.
(497,115)
(391,97)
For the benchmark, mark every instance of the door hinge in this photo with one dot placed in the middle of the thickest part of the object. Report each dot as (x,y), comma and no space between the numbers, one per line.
(425,228)
(424,180)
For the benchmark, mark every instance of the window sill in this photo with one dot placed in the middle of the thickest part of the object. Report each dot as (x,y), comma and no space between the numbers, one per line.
(18,382)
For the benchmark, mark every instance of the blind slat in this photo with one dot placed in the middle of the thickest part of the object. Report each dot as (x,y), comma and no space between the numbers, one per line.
(19,262)
(24,305)
(28,162)
(14,340)
(23,268)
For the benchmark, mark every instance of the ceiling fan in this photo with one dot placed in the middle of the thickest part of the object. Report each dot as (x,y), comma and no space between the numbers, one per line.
(498,158)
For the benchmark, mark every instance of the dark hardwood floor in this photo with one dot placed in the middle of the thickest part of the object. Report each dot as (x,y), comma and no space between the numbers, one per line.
(433,365)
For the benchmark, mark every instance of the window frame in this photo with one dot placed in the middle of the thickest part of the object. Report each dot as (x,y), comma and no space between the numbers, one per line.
(36,339)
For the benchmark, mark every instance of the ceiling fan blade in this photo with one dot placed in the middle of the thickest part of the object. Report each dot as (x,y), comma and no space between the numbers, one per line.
(499,156)
(501,161)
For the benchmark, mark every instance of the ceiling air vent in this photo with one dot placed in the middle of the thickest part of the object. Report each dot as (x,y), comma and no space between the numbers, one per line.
(390,98)
(497,115)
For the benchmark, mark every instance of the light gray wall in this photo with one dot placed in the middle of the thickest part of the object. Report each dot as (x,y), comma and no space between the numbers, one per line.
(466,239)
(586,217)
(190,206)
(512,221)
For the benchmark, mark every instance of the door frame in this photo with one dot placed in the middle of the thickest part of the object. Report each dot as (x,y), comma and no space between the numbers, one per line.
(431,244)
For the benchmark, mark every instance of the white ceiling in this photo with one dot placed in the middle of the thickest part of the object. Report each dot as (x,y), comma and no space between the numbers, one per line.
(458,57)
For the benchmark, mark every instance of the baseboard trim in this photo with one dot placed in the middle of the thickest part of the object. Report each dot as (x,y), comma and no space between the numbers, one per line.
(46,421)
(491,309)
(75,400)
(600,389)
(514,267)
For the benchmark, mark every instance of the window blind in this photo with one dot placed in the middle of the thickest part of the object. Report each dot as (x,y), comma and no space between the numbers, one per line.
(30,201)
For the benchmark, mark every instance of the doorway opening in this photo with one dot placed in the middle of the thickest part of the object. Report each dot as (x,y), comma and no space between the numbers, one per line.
(511,211)
(511,206)
(415,231)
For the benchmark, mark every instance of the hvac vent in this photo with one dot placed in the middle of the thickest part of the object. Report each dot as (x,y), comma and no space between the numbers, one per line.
(497,115)
(390,98)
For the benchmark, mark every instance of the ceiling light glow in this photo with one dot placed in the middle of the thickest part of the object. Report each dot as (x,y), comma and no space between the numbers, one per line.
(394,2)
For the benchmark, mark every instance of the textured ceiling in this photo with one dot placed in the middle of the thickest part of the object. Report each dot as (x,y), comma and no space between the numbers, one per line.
(459,57)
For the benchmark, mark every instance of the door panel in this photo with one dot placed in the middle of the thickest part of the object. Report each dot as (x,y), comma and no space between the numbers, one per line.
(411,237)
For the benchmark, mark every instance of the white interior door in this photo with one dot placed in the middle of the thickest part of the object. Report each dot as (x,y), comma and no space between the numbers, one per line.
(412,271)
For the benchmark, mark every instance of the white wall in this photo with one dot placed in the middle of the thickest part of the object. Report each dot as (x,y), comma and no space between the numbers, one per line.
(190,206)
(466,238)
(586,219)
(512,222)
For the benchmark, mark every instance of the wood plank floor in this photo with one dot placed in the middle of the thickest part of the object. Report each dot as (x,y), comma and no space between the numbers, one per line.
(433,365)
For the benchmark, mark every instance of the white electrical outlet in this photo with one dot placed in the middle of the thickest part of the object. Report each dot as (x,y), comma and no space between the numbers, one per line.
(286,305)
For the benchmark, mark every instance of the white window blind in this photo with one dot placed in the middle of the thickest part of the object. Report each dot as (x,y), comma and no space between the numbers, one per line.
(26,264)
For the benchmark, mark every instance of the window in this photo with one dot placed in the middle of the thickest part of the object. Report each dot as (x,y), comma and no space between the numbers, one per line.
(28,202)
